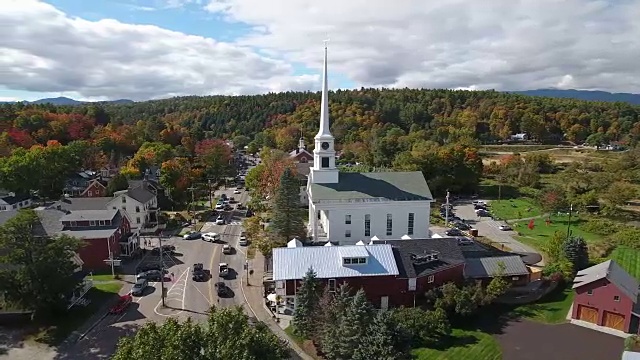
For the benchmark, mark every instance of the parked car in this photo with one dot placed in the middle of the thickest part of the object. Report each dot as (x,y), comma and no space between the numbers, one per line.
(139,286)
(151,275)
(228,207)
(223,268)
(148,266)
(220,220)
(505,228)
(226,249)
(243,240)
(454,232)
(221,289)
(463,241)
(192,235)
(211,237)
(219,206)
(167,249)
(240,206)
(461,226)
(198,272)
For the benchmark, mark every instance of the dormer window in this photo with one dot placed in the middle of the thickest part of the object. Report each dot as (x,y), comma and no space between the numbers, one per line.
(101,222)
(72,224)
(354,260)
(92,223)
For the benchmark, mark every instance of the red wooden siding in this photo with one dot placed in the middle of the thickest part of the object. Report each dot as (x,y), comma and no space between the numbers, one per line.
(602,299)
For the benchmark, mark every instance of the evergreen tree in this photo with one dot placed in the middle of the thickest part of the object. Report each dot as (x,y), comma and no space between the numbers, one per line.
(353,326)
(307,298)
(331,343)
(378,342)
(576,251)
(118,182)
(286,222)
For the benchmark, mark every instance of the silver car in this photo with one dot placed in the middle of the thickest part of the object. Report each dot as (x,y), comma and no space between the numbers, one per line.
(139,286)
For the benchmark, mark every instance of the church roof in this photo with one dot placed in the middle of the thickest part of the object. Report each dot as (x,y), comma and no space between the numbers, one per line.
(395,186)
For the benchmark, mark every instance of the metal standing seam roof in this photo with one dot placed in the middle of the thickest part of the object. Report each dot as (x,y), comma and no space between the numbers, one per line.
(612,272)
(394,186)
(489,266)
(90,215)
(326,261)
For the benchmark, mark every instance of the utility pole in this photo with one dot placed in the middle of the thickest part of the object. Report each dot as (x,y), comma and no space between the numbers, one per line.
(210,194)
(446,211)
(113,271)
(161,270)
(246,267)
(193,216)
(569,224)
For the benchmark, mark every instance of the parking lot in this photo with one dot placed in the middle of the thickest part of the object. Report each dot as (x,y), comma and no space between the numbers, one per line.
(463,210)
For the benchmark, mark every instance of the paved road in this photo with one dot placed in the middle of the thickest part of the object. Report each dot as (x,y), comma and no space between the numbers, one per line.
(185,297)
(489,228)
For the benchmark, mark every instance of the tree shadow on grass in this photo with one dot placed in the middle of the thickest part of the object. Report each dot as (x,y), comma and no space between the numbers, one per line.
(493,191)
(451,341)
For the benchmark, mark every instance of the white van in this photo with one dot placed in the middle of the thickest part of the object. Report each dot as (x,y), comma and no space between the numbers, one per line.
(211,237)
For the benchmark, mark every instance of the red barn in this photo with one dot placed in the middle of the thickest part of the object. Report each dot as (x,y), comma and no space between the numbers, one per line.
(606,295)
(96,188)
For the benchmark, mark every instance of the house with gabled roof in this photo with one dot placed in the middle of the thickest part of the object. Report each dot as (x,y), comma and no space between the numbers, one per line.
(10,201)
(606,296)
(141,206)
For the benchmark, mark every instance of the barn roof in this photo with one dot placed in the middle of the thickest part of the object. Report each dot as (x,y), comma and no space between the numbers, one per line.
(611,271)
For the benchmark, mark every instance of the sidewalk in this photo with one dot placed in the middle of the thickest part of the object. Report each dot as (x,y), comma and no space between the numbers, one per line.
(253,296)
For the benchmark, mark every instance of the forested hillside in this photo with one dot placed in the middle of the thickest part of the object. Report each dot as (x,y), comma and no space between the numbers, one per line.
(432,130)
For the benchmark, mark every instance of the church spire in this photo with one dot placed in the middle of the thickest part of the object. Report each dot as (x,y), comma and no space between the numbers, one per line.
(324,107)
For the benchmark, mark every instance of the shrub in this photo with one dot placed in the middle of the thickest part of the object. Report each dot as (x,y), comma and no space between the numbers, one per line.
(601,249)
(632,343)
(629,237)
(602,226)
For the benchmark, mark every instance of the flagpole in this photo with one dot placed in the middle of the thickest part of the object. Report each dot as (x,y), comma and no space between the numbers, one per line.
(569,224)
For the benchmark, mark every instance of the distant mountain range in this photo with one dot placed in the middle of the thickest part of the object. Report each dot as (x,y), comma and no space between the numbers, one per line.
(67,101)
(587,95)
(584,95)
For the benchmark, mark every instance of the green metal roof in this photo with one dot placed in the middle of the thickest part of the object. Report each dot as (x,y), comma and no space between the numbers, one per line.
(396,186)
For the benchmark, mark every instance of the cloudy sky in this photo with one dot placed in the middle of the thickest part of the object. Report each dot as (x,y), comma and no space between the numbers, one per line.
(146,49)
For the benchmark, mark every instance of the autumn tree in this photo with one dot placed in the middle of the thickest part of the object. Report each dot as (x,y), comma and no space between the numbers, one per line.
(116,183)
(215,158)
(176,175)
(151,154)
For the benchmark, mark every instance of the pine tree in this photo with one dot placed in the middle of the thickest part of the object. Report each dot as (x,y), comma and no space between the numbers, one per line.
(353,326)
(286,222)
(331,343)
(378,342)
(576,251)
(307,298)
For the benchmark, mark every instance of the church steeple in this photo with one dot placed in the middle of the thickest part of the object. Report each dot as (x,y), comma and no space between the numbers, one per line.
(324,154)
(324,107)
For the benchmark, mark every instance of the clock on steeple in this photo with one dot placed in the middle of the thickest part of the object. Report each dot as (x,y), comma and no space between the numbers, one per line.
(325,145)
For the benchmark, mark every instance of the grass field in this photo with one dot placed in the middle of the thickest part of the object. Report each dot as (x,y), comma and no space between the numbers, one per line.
(543,232)
(628,258)
(552,309)
(464,344)
(515,208)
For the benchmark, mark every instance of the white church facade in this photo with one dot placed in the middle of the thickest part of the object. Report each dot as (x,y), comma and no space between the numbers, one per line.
(346,207)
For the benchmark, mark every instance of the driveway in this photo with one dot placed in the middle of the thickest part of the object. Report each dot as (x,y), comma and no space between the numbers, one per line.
(489,228)
(528,340)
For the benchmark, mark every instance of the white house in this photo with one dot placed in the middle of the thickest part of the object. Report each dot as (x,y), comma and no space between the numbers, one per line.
(140,205)
(350,207)
(11,201)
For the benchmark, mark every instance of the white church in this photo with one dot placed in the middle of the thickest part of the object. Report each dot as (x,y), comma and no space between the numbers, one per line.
(346,207)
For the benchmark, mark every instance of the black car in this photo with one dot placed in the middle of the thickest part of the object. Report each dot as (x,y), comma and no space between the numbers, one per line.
(151,275)
(167,249)
(221,289)
(462,226)
(147,267)
(198,272)
(454,232)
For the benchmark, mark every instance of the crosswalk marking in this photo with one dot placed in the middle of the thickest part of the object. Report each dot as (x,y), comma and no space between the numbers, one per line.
(235,223)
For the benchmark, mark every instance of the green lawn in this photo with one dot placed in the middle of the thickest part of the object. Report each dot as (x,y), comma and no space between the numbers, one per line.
(551,309)
(628,258)
(515,208)
(101,277)
(464,344)
(543,232)
(57,331)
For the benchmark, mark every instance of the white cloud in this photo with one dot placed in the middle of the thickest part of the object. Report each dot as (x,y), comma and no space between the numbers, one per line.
(44,50)
(503,44)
